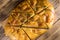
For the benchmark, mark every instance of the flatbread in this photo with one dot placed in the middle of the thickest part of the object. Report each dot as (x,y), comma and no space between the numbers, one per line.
(29,20)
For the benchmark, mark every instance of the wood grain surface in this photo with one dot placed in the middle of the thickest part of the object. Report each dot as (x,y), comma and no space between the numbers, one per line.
(56,4)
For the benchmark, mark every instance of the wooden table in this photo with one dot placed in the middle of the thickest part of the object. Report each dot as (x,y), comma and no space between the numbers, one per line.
(54,32)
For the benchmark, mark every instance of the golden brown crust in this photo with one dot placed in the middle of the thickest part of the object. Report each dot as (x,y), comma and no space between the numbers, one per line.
(29,19)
